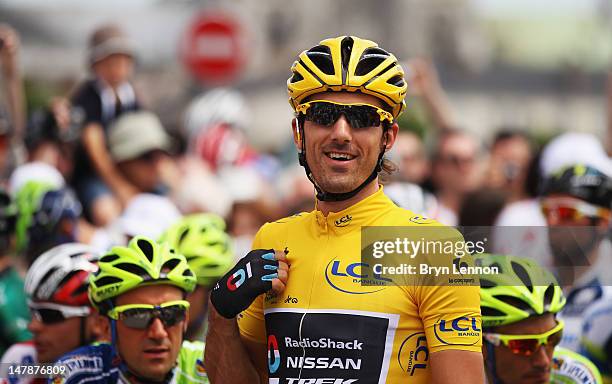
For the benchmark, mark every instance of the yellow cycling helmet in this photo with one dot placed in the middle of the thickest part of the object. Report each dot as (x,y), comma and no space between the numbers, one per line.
(348,63)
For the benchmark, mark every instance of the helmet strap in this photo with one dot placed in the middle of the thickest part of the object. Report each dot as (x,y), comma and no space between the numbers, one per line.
(490,363)
(332,196)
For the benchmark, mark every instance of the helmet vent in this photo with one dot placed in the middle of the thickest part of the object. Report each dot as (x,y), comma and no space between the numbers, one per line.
(488,311)
(296,77)
(133,269)
(371,58)
(397,81)
(43,280)
(183,235)
(67,278)
(548,295)
(109,258)
(522,274)
(80,290)
(322,58)
(187,272)
(515,302)
(107,280)
(484,283)
(346,47)
(146,248)
(170,265)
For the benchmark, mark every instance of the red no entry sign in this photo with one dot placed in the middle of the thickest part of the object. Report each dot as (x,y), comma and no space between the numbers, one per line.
(212,49)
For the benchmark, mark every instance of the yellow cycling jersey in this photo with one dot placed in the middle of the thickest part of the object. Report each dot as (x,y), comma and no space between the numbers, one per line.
(329,328)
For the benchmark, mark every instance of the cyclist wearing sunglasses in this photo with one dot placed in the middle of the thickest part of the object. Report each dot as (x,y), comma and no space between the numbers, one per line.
(521,329)
(140,291)
(202,239)
(326,326)
(62,317)
(577,204)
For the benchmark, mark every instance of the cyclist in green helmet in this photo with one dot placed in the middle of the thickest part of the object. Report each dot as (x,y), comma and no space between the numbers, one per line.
(521,330)
(46,216)
(140,289)
(202,239)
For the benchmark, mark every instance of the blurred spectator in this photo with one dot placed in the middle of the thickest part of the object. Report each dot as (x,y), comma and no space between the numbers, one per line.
(509,159)
(253,205)
(456,171)
(405,186)
(52,135)
(410,155)
(5,144)
(482,207)
(478,213)
(609,108)
(11,122)
(413,198)
(138,144)
(423,81)
(147,215)
(295,190)
(106,95)
(14,316)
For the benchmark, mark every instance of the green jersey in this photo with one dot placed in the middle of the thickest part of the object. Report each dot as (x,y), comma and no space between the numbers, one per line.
(14,314)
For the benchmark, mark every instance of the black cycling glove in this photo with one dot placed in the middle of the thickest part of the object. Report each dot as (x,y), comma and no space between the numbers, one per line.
(249,278)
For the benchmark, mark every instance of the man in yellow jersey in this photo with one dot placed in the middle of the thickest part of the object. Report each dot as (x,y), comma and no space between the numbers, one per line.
(294,310)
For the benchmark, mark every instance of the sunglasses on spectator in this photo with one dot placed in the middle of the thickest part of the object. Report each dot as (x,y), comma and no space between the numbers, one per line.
(51,313)
(358,115)
(527,345)
(140,316)
(573,210)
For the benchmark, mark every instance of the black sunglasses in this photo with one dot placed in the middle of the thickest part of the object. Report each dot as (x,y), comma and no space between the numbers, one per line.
(140,316)
(51,313)
(358,115)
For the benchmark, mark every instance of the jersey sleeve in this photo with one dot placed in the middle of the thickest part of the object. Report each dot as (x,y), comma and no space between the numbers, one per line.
(87,99)
(451,317)
(251,321)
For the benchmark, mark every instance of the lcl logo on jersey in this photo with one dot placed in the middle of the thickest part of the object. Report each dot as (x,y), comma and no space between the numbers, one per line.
(413,354)
(343,221)
(348,278)
(239,277)
(274,358)
(462,330)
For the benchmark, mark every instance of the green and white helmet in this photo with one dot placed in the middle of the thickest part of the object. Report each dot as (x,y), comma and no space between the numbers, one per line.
(521,289)
(142,262)
(205,244)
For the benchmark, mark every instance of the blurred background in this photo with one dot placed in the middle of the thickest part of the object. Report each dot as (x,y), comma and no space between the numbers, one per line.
(119,117)
(539,65)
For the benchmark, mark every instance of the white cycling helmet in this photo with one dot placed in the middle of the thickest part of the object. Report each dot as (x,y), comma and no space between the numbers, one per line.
(217,106)
(61,274)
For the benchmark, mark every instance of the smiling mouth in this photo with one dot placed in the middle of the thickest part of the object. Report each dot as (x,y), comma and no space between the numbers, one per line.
(156,351)
(339,156)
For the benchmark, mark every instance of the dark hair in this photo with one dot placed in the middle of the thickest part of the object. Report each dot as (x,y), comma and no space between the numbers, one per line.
(513,133)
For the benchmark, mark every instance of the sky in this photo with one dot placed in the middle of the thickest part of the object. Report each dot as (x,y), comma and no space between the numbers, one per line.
(534,8)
